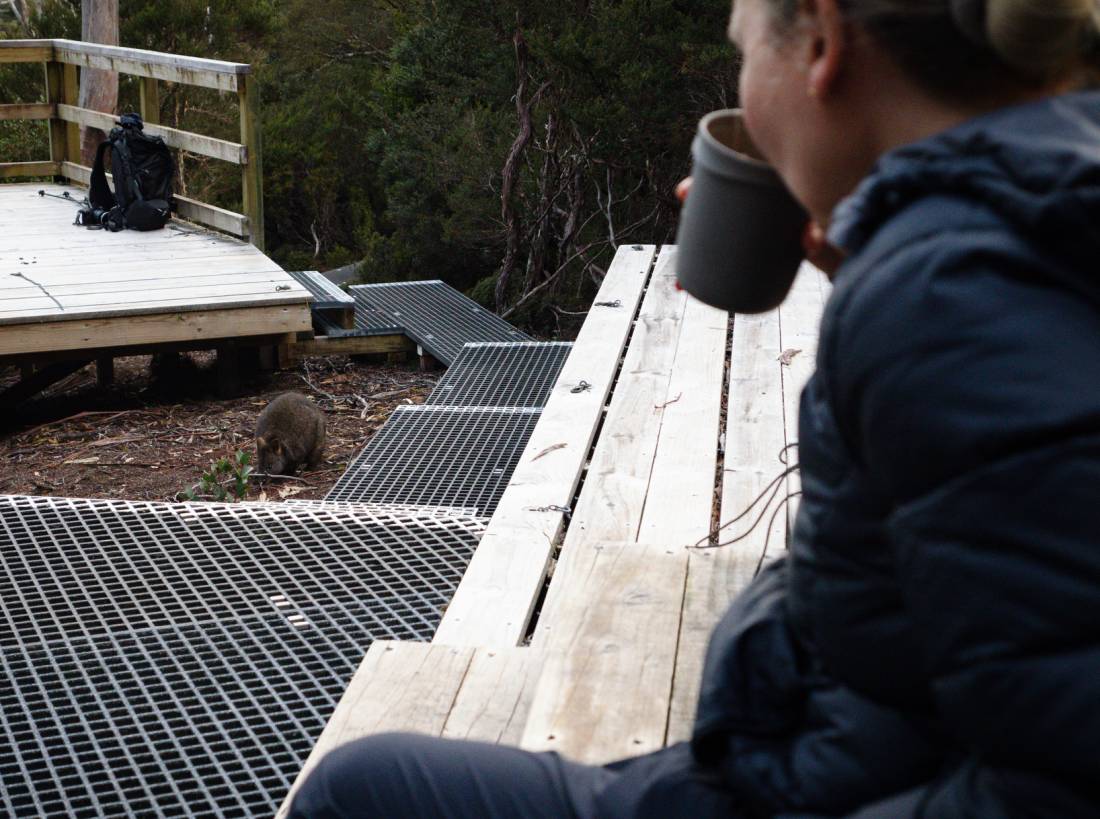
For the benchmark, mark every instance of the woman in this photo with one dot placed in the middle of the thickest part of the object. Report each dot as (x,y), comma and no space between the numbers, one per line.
(931,647)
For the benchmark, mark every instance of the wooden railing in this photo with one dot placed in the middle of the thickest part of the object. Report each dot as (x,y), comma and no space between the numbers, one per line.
(62,58)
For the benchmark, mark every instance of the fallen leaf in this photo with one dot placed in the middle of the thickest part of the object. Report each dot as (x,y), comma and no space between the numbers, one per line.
(788,356)
(92,460)
(290,491)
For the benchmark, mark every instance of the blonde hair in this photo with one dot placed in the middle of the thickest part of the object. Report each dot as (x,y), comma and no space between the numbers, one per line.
(1042,39)
(961,48)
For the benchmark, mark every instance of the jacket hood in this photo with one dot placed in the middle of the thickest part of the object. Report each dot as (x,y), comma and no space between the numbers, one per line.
(1034,166)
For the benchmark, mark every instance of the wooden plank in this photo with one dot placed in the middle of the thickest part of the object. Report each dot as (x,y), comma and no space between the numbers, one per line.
(112,250)
(155,245)
(149,100)
(604,690)
(174,239)
(14,170)
(100,265)
(754,439)
(799,318)
(55,83)
(65,281)
(81,174)
(495,697)
(612,502)
(53,220)
(681,494)
(140,349)
(493,602)
(48,311)
(172,326)
(26,51)
(27,303)
(31,110)
(184,140)
(350,345)
(220,218)
(398,686)
(70,94)
(217,74)
(248,98)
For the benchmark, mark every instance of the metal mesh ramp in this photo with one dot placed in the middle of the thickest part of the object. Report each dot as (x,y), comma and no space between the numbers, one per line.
(439,456)
(502,374)
(181,659)
(326,295)
(433,314)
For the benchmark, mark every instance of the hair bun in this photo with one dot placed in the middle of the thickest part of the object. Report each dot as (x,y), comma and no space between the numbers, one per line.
(1039,38)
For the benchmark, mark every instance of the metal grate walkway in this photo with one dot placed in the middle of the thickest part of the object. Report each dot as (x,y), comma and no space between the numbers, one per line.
(181,659)
(502,374)
(431,313)
(326,295)
(439,456)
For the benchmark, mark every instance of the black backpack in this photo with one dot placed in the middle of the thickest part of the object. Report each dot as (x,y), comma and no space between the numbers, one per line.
(143,172)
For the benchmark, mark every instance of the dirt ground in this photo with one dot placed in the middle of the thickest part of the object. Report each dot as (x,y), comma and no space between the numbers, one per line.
(150,436)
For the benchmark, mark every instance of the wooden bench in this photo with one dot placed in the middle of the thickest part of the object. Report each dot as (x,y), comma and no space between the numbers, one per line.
(700,410)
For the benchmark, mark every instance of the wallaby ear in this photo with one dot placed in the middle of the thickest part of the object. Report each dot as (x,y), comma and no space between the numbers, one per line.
(261,441)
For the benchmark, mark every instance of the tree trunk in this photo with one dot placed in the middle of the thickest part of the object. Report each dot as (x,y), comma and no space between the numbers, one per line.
(98,88)
(21,12)
(511,165)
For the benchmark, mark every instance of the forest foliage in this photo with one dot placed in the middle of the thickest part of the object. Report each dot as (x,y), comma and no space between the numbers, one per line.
(504,147)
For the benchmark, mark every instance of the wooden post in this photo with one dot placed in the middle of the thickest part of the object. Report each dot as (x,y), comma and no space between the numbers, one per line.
(54,86)
(105,370)
(269,358)
(228,370)
(70,95)
(284,353)
(252,172)
(149,94)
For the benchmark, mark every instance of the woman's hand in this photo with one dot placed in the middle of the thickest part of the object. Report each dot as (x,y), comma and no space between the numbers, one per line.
(818,251)
(682,189)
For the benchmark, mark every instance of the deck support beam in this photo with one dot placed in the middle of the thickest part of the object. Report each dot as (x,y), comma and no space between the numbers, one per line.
(40,379)
(105,370)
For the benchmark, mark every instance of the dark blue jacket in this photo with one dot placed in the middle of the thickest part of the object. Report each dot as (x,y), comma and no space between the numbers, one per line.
(931,646)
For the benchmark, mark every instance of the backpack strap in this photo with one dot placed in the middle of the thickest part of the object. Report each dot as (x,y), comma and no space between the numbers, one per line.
(99,192)
(121,142)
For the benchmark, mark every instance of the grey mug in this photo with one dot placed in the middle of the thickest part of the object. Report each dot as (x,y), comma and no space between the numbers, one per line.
(740,232)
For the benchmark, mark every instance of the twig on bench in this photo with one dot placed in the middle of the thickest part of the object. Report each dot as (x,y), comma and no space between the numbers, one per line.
(548,450)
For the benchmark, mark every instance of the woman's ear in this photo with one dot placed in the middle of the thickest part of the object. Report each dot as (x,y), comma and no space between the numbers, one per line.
(828,46)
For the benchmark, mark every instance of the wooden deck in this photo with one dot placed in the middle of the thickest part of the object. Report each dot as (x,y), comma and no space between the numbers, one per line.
(609,667)
(66,289)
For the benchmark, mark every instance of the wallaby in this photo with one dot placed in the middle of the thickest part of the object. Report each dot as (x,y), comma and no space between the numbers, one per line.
(289,432)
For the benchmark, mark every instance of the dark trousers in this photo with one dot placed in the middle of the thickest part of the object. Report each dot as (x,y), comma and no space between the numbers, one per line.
(407,775)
